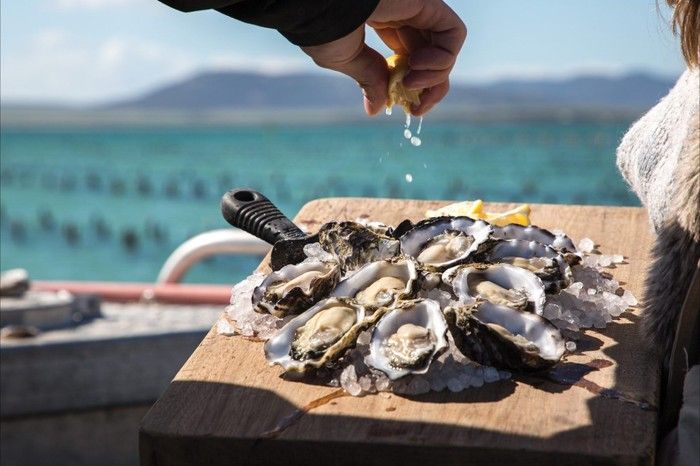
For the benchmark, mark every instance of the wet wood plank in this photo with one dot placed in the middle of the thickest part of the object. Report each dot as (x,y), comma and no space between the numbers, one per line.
(224,402)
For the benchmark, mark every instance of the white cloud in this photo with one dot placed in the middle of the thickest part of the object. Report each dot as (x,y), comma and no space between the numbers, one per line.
(60,66)
(272,65)
(57,65)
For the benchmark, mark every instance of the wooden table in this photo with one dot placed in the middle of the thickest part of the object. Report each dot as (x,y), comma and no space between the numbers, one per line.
(226,406)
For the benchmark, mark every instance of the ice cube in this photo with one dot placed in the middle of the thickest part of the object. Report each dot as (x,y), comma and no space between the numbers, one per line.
(629,298)
(353,388)
(605,261)
(223,327)
(382,383)
(418,386)
(315,251)
(477,380)
(437,383)
(363,338)
(586,245)
(348,375)
(504,375)
(365,383)
(490,374)
(455,385)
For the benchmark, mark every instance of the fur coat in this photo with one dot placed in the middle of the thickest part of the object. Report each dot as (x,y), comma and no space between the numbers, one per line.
(660,159)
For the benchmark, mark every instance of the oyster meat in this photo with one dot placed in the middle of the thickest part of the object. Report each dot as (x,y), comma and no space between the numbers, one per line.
(318,336)
(498,283)
(294,288)
(355,245)
(380,283)
(504,337)
(552,267)
(407,338)
(442,242)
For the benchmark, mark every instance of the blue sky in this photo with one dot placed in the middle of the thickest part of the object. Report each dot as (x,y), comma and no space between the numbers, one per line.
(92,50)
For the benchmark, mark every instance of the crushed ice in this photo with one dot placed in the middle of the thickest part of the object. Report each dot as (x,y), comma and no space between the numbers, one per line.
(593,299)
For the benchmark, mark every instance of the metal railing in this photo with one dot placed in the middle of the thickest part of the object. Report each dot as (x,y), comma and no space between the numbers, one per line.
(210,243)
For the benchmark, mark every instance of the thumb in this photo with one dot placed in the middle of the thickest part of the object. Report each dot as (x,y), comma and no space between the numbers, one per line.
(351,56)
(370,71)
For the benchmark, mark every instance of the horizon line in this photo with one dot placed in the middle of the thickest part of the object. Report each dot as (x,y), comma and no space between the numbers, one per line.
(526,76)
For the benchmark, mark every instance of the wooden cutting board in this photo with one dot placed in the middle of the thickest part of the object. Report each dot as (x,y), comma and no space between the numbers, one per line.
(227,406)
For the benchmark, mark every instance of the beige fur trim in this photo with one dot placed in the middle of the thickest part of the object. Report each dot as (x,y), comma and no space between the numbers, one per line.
(676,250)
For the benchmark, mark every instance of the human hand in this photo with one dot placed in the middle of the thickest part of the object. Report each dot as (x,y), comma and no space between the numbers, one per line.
(428,31)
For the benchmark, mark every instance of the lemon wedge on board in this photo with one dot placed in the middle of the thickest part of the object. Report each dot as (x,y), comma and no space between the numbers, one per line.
(475,209)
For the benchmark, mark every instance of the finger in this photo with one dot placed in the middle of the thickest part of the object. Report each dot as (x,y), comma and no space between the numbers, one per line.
(390,37)
(430,97)
(431,58)
(411,38)
(425,79)
(448,32)
(351,56)
(369,69)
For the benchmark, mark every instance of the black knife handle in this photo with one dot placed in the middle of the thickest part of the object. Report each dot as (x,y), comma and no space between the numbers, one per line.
(251,211)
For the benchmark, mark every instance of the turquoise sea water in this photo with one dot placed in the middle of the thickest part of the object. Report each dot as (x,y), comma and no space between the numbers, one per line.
(111,204)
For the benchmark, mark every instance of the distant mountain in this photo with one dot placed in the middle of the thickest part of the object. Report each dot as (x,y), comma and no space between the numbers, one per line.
(252,91)
(230,90)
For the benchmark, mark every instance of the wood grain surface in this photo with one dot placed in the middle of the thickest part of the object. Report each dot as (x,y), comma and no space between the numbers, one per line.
(227,406)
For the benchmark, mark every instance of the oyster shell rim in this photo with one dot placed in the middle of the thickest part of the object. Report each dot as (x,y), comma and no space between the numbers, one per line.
(531,249)
(482,232)
(558,242)
(456,277)
(278,352)
(476,338)
(412,283)
(296,300)
(403,308)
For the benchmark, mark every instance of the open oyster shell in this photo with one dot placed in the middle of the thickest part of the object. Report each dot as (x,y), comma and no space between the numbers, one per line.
(355,245)
(294,288)
(442,242)
(498,283)
(504,337)
(380,283)
(407,338)
(317,337)
(560,241)
(551,266)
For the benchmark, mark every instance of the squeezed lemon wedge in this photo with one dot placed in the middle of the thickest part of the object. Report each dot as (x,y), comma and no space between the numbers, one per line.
(398,94)
(475,209)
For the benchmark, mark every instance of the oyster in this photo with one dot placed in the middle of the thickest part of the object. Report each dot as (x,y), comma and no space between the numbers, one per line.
(498,283)
(442,242)
(504,337)
(380,283)
(544,261)
(318,336)
(294,288)
(355,245)
(407,338)
(558,241)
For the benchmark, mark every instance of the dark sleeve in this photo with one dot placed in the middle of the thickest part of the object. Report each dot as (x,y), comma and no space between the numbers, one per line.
(302,22)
